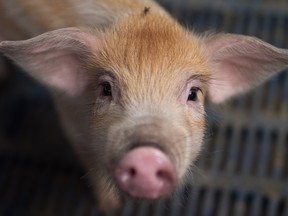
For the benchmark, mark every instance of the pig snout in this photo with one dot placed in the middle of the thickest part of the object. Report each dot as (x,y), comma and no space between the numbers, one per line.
(145,172)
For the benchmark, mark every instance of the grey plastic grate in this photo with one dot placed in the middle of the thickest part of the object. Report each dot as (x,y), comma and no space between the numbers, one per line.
(244,166)
(226,6)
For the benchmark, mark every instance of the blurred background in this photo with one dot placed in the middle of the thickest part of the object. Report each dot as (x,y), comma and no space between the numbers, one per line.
(243,169)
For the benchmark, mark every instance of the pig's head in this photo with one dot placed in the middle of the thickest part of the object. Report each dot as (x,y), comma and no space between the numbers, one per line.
(146,78)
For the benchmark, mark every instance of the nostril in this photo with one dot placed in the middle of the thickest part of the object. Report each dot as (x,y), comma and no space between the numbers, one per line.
(132,172)
(162,175)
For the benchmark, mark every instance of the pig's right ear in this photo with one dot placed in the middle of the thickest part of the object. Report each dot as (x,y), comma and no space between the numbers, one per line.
(239,63)
(56,58)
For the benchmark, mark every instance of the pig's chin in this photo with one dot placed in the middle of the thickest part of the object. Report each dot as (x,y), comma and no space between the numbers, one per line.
(145,173)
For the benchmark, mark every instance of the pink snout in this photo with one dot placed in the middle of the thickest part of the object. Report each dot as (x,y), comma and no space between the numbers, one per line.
(146,172)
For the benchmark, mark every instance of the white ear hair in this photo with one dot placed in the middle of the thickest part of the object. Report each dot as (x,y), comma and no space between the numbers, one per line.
(240,62)
(55,58)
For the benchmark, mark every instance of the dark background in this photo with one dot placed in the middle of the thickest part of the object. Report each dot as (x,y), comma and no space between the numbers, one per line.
(244,166)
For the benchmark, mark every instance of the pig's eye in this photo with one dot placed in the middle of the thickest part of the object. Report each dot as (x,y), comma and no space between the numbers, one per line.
(193,94)
(106,89)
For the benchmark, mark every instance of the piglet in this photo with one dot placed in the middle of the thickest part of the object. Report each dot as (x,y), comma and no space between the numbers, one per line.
(129,84)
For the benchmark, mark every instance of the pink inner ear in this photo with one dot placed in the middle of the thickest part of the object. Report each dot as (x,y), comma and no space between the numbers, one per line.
(232,76)
(62,70)
(56,58)
(240,62)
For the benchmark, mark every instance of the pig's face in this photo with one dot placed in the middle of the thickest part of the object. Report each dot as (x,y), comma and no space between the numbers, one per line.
(162,111)
(169,118)
(142,99)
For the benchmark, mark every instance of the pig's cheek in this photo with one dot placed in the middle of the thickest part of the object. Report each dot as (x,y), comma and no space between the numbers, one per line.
(102,105)
(194,125)
(197,136)
(181,151)
(196,108)
(194,118)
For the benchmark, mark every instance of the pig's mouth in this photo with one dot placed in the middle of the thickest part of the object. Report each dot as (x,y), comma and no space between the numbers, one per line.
(145,172)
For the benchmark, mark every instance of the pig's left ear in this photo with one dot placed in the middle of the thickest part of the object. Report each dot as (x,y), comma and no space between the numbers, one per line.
(56,58)
(240,62)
